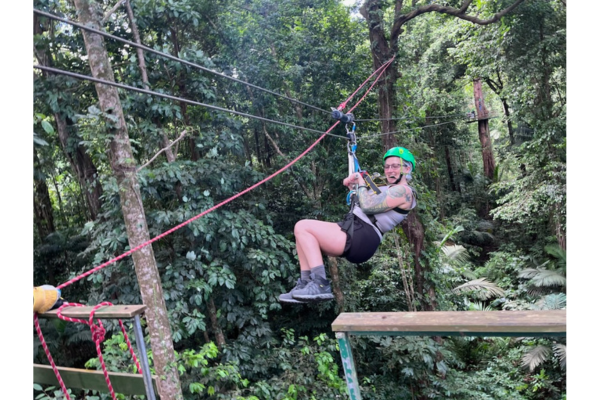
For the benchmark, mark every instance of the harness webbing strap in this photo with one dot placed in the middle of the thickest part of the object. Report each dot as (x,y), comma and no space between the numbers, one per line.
(348,222)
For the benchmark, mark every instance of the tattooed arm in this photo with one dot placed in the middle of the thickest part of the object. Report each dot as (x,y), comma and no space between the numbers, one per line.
(396,196)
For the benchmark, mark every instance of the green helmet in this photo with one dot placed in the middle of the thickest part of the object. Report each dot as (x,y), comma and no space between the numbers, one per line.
(403,154)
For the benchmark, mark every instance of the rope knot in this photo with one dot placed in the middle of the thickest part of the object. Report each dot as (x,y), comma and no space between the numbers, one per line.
(98,333)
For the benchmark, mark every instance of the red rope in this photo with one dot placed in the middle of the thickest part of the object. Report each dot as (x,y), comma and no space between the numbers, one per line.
(98,330)
(382,68)
(45,346)
(98,333)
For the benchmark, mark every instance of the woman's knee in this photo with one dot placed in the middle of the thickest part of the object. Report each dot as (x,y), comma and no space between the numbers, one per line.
(302,226)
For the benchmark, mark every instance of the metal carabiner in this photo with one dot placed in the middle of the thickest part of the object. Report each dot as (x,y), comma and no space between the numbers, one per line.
(351,134)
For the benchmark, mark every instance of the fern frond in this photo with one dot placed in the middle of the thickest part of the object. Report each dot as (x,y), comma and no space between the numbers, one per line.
(560,351)
(555,301)
(535,357)
(482,288)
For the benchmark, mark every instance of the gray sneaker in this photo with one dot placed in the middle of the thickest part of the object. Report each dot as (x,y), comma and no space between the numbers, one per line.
(318,289)
(287,297)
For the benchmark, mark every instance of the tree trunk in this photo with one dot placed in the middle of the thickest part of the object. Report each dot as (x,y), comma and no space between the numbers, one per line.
(180,81)
(81,163)
(382,50)
(511,134)
(42,206)
(136,38)
(214,321)
(124,168)
(451,177)
(335,283)
(489,165)
(415,233)
(497,87)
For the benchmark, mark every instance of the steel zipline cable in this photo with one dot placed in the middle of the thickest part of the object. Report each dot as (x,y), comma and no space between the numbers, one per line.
(380,72)
(170,97)
(408,117)
(166,55)
(409,129)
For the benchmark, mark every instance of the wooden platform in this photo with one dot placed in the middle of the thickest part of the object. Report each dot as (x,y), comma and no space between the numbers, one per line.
(454,323)
(440,323)
(125,383)
(92,380)
(106,312)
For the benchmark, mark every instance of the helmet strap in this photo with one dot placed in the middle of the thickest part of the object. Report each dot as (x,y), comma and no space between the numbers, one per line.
(399,179)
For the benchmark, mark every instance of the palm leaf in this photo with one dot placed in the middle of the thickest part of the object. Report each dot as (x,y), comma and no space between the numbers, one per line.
(528,273)
(548,277)
(456,253)
(560,351)
(535,357)
(535,291)
(469,274)
(482,288)
(542,277)
(558,253)
(454,231)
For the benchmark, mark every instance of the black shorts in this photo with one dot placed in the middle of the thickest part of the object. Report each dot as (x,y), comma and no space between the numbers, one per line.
(363,244)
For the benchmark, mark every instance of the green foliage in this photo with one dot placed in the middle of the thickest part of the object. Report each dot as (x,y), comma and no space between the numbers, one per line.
(487,245)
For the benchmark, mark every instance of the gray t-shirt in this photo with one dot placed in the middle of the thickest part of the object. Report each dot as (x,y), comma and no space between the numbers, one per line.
(385,221)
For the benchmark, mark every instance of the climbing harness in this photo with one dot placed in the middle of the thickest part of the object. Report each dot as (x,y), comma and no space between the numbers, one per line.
(347,224)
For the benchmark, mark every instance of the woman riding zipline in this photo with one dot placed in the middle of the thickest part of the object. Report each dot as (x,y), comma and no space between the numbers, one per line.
(357,237)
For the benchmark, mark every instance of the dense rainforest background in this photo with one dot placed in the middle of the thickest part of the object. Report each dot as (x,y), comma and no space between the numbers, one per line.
(113,168)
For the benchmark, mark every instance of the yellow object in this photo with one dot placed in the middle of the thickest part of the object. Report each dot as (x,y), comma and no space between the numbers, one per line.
(44,297)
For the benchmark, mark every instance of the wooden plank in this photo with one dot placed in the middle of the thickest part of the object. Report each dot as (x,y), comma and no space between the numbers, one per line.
(447,323)
(106,312)
(92,380)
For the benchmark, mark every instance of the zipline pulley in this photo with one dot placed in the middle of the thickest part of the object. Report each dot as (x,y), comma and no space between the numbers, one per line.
(343,118)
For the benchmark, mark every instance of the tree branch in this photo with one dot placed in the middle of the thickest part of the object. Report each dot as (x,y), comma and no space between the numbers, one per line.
(400,20)
(112,10)
(161,150)
(304,188)
(492,85)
